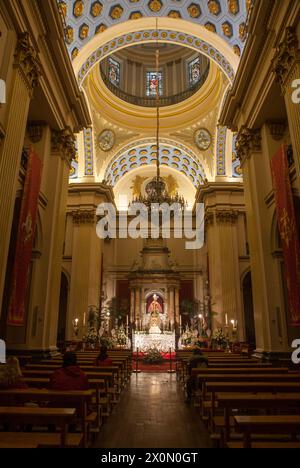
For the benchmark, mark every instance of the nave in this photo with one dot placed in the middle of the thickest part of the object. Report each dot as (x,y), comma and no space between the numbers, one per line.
(152,413)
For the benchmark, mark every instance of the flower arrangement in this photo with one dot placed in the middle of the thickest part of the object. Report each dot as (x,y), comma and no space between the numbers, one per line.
(91,339)
(219,338)
(153,356)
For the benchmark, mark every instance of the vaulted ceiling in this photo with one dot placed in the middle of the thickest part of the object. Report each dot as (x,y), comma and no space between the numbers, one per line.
(85,18)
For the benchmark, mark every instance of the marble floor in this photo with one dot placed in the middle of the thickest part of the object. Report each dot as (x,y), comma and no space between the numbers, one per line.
(152,414)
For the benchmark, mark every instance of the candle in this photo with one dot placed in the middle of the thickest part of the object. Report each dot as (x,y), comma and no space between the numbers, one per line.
(180,320)
(127,320)
(226,319)
(76,321)
(84,319)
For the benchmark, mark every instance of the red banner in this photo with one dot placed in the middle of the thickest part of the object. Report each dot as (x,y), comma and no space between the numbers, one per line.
(25,240)
(288,231)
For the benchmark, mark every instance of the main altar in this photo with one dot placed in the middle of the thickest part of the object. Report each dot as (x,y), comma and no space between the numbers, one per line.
(154,305)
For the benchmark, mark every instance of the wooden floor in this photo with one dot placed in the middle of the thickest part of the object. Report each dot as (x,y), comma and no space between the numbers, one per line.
(152,414)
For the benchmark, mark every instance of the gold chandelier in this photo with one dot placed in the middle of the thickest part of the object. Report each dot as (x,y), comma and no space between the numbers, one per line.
(157,192)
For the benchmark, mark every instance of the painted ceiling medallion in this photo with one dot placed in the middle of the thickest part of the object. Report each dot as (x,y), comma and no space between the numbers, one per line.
(155,5)
(214,7)
(202,139)
(106,140)
(194,10)
(78,8)
(96,9)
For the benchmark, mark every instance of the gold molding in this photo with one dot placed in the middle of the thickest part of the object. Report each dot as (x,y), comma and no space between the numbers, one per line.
(27,63)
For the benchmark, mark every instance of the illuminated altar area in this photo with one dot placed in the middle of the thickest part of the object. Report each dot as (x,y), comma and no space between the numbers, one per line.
(162,341)
(154,305)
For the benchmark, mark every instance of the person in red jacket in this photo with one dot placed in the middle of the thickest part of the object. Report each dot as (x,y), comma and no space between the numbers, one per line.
(103,359)
(70,376)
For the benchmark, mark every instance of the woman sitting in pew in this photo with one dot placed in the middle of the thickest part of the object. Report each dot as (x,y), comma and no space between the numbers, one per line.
(70,376)
(103,359)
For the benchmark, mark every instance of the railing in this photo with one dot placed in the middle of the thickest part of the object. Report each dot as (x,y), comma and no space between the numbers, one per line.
(151,101)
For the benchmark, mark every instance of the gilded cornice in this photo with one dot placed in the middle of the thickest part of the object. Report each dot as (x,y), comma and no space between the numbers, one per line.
(26,62)
(287,55)
(248,142)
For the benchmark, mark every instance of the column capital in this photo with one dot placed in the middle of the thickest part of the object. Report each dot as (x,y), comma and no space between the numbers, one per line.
(63,142)
(286,56)
(84,216)
(226,216)
(248,141)
(26,61)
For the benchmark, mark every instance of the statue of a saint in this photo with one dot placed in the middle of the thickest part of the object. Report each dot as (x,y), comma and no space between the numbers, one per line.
(155,309)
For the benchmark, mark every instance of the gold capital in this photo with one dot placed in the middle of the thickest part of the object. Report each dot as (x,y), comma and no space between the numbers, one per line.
(286,57)
(248,141)
(27,62)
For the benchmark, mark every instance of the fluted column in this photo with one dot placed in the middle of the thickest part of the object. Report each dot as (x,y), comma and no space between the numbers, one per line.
(222,243)
(132,305)
(62,152)
(86,266)
(177,306)
(172,305)
(287,69)
(25,78)
(137,304)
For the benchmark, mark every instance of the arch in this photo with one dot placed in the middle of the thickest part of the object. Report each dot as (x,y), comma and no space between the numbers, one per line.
(174,31)
(142,153)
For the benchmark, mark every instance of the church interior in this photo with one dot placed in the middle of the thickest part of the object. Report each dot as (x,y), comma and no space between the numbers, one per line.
(150,224)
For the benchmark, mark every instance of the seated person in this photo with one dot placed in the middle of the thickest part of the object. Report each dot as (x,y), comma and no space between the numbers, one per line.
(197,360)
(103,359)
(70,376)
(11,375)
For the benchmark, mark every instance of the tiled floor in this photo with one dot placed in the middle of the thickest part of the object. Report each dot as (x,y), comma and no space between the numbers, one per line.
(152,414)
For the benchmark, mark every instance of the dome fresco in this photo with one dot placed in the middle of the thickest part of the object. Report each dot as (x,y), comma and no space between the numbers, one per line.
(85,18)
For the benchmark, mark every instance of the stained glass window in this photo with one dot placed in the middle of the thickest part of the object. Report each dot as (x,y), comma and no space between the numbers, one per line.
(194,72)
(154,79)
(114,69)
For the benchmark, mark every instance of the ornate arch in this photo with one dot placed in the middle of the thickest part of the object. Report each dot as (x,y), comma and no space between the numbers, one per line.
(143,153)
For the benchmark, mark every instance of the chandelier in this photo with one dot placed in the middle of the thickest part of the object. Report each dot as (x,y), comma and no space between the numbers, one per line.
(156,190)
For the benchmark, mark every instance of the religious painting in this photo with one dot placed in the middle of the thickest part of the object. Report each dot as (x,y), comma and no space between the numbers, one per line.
(114,71)
(154,84)
(194,72)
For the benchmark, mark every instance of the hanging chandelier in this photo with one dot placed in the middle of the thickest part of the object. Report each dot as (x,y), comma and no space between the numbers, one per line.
(156,191)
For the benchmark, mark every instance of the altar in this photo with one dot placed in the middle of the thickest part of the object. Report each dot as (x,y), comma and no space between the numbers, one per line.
(161,341)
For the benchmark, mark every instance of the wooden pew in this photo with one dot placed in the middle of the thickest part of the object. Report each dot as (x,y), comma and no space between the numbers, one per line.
(16,440)
(249,401)
(14,416)
(61,399)
(253,425)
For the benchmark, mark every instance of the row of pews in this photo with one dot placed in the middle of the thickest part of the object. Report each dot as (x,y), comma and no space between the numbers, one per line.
(243,402)
(38,417)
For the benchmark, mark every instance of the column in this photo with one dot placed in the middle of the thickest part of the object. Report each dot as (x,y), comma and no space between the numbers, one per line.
(172,305)
(287,69)
(222,243)
(86,266)
(137,304)
(24,78)
(62,152)
(254,153)
(132,305)
(177,307)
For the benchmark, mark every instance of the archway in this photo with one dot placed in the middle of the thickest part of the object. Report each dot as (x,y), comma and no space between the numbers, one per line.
(249,310)
(63,309)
